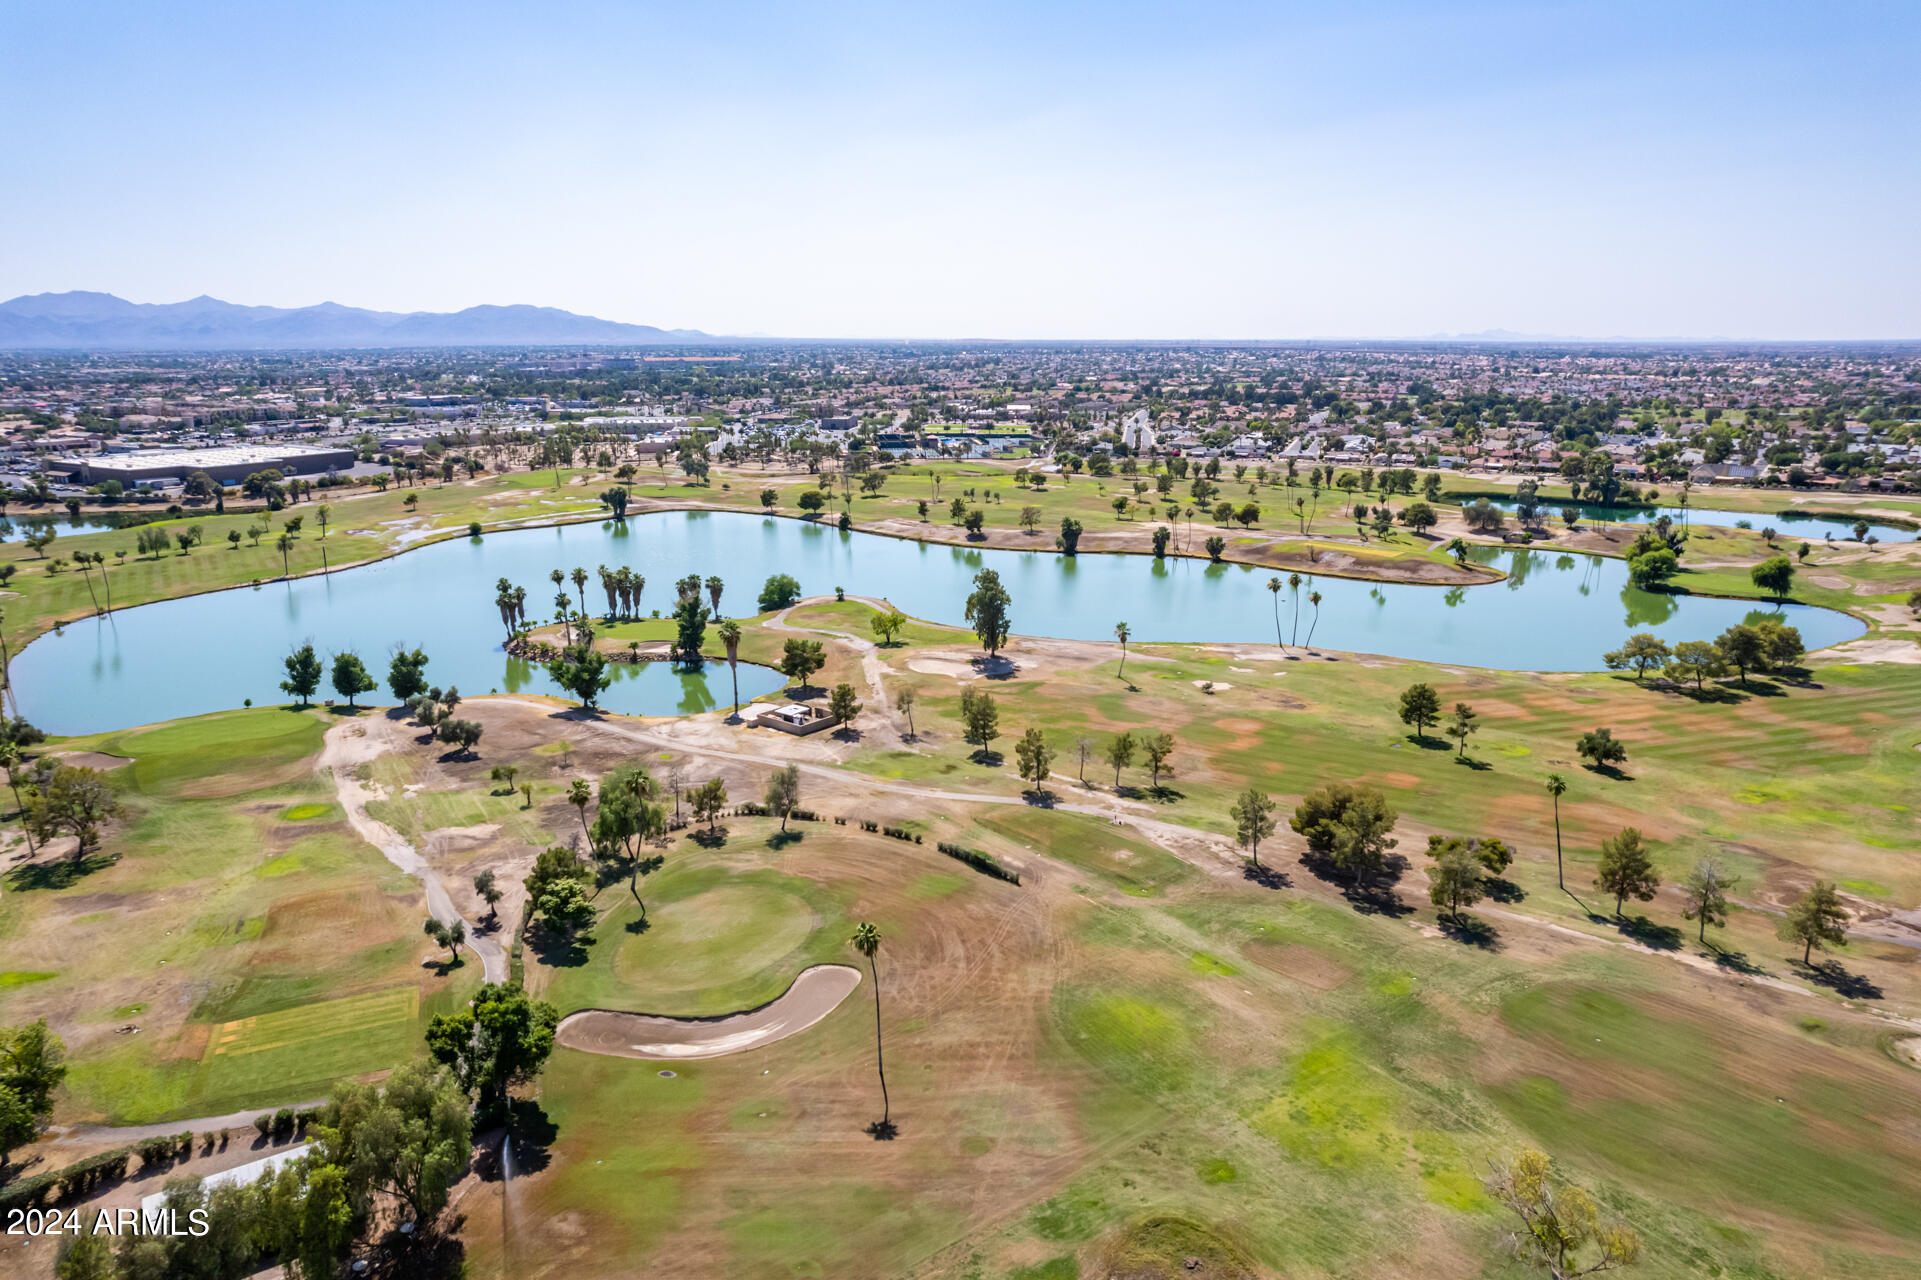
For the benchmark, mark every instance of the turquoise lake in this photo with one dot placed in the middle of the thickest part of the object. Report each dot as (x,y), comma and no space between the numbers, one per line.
(1555,612)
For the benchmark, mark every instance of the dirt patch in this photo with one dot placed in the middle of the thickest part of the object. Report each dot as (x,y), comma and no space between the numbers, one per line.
(92,760)
(1301,964)
(1909,1050)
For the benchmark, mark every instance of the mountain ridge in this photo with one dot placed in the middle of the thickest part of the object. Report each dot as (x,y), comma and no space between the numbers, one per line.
(88,320)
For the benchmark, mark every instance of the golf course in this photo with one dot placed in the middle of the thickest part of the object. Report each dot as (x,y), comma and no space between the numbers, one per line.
(1035,964)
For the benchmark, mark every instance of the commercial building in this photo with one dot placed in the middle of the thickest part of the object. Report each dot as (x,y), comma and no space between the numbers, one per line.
(225,463)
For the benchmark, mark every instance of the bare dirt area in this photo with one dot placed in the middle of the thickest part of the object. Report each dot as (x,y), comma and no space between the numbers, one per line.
(816,993)
(92,760)
(1901,649)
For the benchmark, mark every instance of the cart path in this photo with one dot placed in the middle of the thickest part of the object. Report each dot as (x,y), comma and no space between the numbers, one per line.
(350,743)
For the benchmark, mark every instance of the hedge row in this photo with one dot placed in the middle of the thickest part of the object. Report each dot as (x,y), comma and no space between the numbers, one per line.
(83,1177)
(981,862)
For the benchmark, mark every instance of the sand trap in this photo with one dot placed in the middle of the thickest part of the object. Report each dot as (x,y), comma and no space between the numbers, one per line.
(816,993)
(92,760)
(1213,686)
(1871,649)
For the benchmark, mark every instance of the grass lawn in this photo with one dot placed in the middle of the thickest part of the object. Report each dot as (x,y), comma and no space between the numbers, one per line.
(235,912)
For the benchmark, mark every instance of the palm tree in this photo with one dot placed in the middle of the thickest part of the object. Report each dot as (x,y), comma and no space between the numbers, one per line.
(714,585)
(285,544)
(1121,633)
(1313,598)
(84,562)
(1556,787)
(1294,585)
(866,940)
(1274,589)
(730,636)
(100,562)
(578,795)
(580,585)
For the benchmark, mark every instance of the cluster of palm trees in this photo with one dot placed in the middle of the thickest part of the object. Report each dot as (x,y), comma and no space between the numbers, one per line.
(512,603)
(1293,584)
(623,587)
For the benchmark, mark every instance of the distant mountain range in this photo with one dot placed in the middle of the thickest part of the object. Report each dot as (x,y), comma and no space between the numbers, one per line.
(98,321)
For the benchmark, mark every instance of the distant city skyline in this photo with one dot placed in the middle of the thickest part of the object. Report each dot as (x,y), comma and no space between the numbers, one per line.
(1733,172)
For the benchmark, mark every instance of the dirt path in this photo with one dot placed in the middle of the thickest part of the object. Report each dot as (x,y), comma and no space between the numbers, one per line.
(354,742)
(817,992)
(879,704)
(95,1134)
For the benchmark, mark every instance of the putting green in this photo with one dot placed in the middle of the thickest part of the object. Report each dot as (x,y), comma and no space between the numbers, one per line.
(713,939)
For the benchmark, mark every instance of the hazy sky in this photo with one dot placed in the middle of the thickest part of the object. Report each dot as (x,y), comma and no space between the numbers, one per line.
(1030,170)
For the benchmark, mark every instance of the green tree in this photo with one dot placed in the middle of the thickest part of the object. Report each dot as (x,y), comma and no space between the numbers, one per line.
(1156,747)
(1215,546)
(449,936)
(1816,919)
(866,940)
(800,659)
(1420,707)
(303,674)
(1466,722)
(1601,748)
(503,1038)
(489,892)
(886,626)
(783,792)
(32,1065)
(1457,880)
(904,699)
(407,674)
(1696,660)
(75,801)
(690,631)
(1120,754)
(1625,869)
(843,705)
(1651,569)
(1034,758)
(708,800)
(1121,633)
(350,678)
(1775,574)
(980,718)
(1561,1231)
(987,611)
(582,671)
(778,592)
(1705,893)
(1348,825)
(1253,814)
(1744,648)
(410,1137)
(1161,537)
(1643,652)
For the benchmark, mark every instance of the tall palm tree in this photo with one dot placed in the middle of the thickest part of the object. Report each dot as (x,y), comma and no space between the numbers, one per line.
(730,636)
(1294,585)
(1121,633)
(285,544)
(1274,589)
(578,795)
(866,940)
(100,563)
(1556,787)
(714,586)
(580,585)
(1313,598)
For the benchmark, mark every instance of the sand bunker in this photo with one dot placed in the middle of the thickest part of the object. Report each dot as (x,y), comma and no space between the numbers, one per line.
(92,760)
(816,993)
(1211,686)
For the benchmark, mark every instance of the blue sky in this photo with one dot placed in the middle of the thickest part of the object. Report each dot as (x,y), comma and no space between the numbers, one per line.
(1040,170)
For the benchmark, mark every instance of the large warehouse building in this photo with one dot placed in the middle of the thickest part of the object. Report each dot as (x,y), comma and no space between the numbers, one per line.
(226,463)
